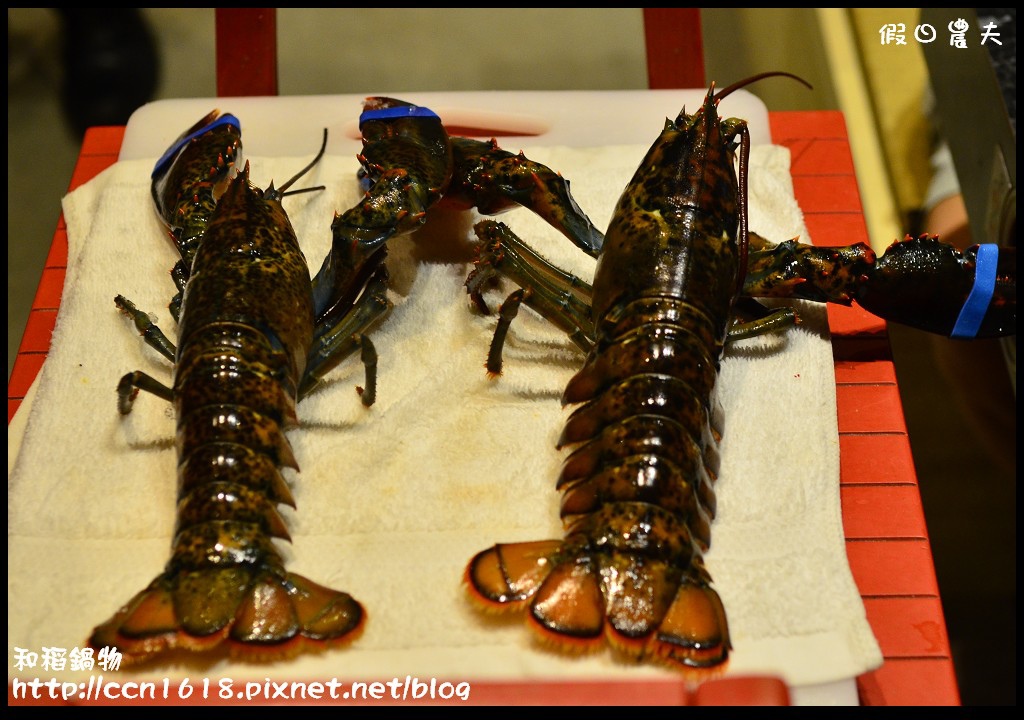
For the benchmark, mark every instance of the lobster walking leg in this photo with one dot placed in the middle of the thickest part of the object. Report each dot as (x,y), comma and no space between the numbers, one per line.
(153,335)
(560,297)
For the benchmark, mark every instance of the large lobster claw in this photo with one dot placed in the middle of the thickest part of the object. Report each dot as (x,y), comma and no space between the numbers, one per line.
(920,282)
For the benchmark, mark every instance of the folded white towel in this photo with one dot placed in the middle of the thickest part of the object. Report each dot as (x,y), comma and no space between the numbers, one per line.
(394,500)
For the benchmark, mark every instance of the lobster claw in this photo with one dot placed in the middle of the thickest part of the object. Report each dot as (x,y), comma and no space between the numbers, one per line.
(977,289)
(921,282)
(191,175)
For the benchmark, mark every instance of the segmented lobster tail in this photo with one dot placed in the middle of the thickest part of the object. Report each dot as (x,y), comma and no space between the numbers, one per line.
(637,489)
(239,361)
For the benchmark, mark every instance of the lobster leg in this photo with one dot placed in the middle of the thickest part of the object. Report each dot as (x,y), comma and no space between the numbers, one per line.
(179,275)
(152,334)
(192,175)
(763,320)
(131,383)
(560,297)
(336,341)
(406,165)
(187,181)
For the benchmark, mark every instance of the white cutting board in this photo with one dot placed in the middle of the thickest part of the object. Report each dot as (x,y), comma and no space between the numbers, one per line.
(293,125)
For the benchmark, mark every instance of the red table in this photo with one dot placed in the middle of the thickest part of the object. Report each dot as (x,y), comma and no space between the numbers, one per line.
(886,537)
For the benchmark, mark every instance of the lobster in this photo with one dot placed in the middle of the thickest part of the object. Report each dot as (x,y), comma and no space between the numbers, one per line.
(245,343)
(675,280)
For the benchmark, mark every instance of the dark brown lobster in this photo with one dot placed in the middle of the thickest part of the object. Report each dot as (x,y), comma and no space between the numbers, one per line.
(675,279)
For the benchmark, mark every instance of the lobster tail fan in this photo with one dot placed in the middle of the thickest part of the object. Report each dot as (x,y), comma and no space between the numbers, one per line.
(266,617)
(506,576)
(638,591)
(564,595)
(694,632)
(144,627)
(278,618)
(325,615)
(568,609)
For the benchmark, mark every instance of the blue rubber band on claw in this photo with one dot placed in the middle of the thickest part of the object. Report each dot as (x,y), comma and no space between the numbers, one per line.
(973,311)
(172,152)
(396,112)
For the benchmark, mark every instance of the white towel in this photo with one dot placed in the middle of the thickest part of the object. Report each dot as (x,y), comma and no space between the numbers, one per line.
(394,500)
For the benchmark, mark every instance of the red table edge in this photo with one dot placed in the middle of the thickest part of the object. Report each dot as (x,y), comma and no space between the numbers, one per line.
(910,675)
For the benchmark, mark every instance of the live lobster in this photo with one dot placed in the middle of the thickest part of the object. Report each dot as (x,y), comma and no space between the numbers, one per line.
(246,326)
(674,280)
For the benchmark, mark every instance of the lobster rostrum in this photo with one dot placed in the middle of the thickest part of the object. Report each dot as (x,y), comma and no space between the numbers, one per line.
(675,279)
(246,329)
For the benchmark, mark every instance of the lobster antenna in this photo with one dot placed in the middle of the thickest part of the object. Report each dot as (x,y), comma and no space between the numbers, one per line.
(760,76)
(282,191)
(302,190)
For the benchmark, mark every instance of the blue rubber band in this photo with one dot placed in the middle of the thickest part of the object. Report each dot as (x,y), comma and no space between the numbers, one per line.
(396,112)
(173,150)
(973,311)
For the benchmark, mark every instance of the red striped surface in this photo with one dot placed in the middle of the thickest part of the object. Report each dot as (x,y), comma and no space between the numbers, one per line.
(99,151)
(887,542)
(886,538)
